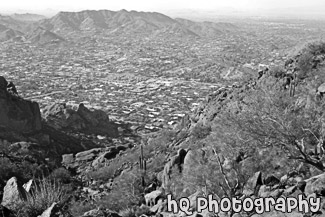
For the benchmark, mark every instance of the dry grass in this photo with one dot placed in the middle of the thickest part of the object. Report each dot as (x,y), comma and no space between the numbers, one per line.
(42,197)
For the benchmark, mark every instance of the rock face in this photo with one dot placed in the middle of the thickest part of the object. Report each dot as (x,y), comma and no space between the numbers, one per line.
(62,117)
(17,114)
(12,193)
(175,161)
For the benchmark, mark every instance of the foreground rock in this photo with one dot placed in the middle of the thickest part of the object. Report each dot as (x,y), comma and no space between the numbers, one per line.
(51,211)
(12,193)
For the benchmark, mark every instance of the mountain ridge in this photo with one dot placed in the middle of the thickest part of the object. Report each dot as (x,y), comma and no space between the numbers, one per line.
(130,20)
(65,24)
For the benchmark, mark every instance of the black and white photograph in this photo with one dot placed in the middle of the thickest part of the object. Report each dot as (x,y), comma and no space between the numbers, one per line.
(162,108)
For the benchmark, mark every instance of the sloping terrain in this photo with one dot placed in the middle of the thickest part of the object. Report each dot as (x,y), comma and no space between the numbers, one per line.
(258,138)
(43,36)
(262,137)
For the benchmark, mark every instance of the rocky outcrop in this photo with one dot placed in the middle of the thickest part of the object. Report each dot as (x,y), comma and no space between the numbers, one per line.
(62,117)
(93,158)
(16,114)
(175,162)
(12,193)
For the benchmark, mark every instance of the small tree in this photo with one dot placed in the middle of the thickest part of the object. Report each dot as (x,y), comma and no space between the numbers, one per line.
(271,118)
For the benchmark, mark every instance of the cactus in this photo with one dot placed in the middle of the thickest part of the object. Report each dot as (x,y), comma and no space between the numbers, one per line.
(293,84)
(143,166)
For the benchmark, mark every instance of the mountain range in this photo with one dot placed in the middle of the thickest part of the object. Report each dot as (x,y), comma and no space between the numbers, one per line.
(104,21)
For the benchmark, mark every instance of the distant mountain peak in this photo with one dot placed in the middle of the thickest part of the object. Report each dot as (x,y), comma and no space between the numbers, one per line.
(130,22)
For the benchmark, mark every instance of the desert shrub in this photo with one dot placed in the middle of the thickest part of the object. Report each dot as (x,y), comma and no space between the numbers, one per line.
(307,61)
(317,48)
(212,173)
(103,174)
(128,212)
(42,197)
(142,210)
(155,149)
(277,72)
(78,208)
(200,131)
(61,175)
(175,186)
(159,143)
(273,119)
(157,164)
(127,192)
(23,171)
(305,64)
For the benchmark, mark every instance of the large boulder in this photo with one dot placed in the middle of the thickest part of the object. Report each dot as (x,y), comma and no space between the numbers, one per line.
(17,114)
(88,155)
(13,192)
(253,184)
(315,184)
(153,197)
(175,162)
(107,155)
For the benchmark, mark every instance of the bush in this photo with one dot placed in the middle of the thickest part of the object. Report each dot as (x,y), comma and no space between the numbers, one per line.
(42,197)
(143,210)
(128,212)
(273,119)
(61,175)
(200,131)
(127,192)
(277,72)
(305,64)
(78,208)
(103,174)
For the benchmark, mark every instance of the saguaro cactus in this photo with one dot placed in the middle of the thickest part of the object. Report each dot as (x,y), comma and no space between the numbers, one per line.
(293,84)
(143,166)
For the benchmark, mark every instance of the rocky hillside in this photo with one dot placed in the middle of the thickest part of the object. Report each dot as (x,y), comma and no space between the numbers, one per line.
(263,137)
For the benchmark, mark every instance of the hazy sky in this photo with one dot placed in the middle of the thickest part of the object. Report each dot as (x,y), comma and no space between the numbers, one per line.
(154,5)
